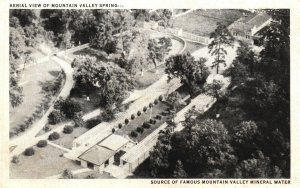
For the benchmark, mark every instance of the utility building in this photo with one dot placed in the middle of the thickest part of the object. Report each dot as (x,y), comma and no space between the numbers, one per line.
(103,154)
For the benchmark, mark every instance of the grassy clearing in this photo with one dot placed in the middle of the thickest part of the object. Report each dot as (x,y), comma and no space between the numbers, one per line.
(34,80)
(144,117)
(66,140)
(192,47)
(45,162)
(203,22)
(149,77)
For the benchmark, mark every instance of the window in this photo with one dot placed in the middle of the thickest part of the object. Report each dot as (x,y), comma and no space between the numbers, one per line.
(247,37)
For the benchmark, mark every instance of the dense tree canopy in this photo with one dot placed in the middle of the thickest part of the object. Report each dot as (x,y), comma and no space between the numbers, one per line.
(192,73)
(110,80)
(253,130)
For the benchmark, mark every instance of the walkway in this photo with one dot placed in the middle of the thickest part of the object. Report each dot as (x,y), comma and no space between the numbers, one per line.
(117,171)
(58,146)
(28,138)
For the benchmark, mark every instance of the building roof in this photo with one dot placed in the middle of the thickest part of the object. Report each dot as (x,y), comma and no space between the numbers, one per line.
(114,142)
(97,155)
(246,23)
(259,19)
(99,132)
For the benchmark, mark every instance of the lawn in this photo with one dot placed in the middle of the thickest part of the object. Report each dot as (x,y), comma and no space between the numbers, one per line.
(152,75)
(34,79)
(192,47)
(203,22)
(66,140)
(45,162)
(139,120)
(149,77)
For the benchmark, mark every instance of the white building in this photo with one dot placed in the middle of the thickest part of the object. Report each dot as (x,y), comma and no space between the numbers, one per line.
(247,26)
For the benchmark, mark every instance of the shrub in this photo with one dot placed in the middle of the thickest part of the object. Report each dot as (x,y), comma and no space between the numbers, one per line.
(133,134)
(151,121)
(67,174)
(140,129)
(55,117)
(126,121)
(146,125)
(90,176)
(158,117)
(22,127)
(113,130)
(53,136)
(132,117)
(145,108)
(150,105)
(93,122)
(68,129)
(139,113)
(155,101)
(42,143)
(47,128)
(120,125)
(11,134)
(29,152)
(15,159)
(160,98)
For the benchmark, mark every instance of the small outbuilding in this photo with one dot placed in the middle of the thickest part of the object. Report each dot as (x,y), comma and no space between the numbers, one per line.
(103,153)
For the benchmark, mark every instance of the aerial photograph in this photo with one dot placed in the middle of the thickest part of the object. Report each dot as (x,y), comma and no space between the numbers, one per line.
(149,93)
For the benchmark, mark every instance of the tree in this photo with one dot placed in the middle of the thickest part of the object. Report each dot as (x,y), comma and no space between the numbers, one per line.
(179,172)
(174,99)
(154,51)
(208,142)
(125,22)
(214,89)
(192,73)
(55,117)
(165,45)
(257,167)
(67,107)
(165,16)
(159,156)
(25,16)
(221,38)
(139,51)
(66,39)
(111,82)
(108,114)
(159,49)
(245,137)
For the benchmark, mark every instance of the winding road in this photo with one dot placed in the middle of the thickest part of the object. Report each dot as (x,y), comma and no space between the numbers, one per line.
(28,138)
